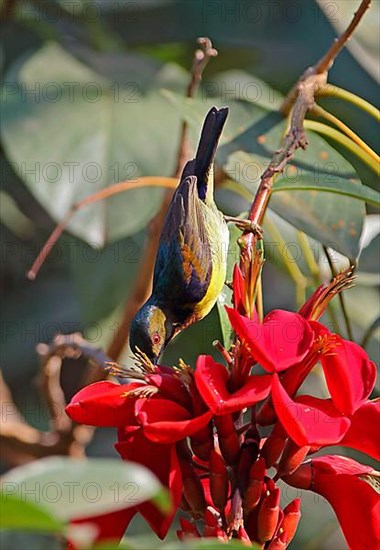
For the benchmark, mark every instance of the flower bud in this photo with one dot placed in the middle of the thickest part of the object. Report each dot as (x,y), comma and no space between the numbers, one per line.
(248,455)
(228,438)
(242,535)
(255,486)
(274,445)
(213,524)
(188,530)
(268,516)
(218,481)
(302,478)
(278,543)
(292,515)
(291,458)
(202,443)
(193,489)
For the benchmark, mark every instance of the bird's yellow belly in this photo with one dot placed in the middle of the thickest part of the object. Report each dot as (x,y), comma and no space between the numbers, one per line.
(218,275)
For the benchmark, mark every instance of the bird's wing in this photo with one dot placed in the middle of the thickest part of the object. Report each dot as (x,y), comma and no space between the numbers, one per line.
(184,261)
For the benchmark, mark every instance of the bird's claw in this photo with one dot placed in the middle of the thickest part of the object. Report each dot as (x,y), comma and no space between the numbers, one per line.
(246,225)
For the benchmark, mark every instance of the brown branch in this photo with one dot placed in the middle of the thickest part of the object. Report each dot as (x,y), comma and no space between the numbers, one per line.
(328,59)
(326,62)
(23,443)
(303,93)
(143,283)
(299,101)
(201,59)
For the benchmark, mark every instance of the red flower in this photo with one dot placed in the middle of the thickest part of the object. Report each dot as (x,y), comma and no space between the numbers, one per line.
(282,340)
(350,375)
(137,448)
(188,428)
(308,420)
(149,424)
(165,421)
(212,382)
(345,484)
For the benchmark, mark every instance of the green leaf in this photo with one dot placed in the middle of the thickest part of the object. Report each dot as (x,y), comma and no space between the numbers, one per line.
(340,186)
(71,488)
(19,514)
(103,277)
(82,131)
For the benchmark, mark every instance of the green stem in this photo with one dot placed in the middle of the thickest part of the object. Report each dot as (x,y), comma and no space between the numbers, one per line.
(318,111)
(341,297)
(308,255)
(335,91)
(343,140)
(291,265)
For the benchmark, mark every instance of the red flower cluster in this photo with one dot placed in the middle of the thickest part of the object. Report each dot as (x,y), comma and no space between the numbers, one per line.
(190,429)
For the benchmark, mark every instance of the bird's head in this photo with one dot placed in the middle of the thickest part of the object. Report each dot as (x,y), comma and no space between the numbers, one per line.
(150,331)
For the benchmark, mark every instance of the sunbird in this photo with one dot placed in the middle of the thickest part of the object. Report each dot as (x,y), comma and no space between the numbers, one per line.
(190,267)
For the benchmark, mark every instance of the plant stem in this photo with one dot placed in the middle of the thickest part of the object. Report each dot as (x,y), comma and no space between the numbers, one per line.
(309,258)
(326,62)
(345,141)
(335,91)
(290,264)
(340,295)
(320,112)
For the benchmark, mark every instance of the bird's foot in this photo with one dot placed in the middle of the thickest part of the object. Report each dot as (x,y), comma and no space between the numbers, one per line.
(246,225)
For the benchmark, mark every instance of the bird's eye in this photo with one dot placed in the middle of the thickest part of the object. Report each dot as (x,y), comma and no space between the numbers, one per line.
(156,338)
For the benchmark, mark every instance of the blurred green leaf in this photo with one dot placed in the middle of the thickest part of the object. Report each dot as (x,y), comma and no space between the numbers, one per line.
(72,488)
(103,277)
(19,514)
(81,131)
(365,43)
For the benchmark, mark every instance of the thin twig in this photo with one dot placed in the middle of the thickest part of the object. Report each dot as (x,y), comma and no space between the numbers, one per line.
(22,443)
(115,189)
(328,59)
(201,59)
(326,62)
(299,101)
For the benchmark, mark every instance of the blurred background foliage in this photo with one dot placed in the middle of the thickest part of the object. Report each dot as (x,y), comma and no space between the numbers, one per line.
(94,93)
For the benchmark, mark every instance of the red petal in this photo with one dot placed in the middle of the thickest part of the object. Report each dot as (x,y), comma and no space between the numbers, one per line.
(308,420)
(282,340)
(211,379)
(336,464)
(163,461)
(355,502)
(166,422)
(364,432)
(103,404)
(111,527)
(170,387)
(350,375)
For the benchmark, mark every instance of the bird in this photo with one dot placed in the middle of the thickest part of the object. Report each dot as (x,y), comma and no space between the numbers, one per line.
(190,266)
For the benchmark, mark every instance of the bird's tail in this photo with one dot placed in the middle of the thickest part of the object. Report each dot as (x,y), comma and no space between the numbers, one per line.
(212,128)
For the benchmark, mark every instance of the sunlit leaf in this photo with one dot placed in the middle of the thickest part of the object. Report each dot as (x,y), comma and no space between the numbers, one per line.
(72,488)
(81,131)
